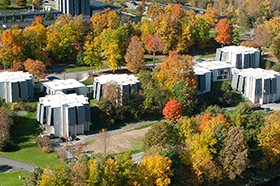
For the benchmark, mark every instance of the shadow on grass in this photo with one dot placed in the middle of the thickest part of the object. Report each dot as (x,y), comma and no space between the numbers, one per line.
(24,130)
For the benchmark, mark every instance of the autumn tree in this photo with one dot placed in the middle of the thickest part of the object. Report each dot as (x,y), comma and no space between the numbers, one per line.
(78,175)
(37,3)
(11,44)
(161,134)
(5,3)
(104,139)
(113,46)
(135,55)
(275,46)
(262,36)
(175,68)
(21,2)
(58,176)
(110,173)
(34,177)
(201,31)
(223,31)
(156,95)
(37,68)
(112,92)
(154,170)
(154,44)
(5,124)
(18,67)
(92,52)
(173,110)
(234,156)
(269,138)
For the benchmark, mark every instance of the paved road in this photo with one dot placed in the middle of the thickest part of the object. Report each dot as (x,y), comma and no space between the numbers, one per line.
(7,165)
(137,158)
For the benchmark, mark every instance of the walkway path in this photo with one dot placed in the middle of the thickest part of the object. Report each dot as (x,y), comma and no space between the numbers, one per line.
(6,165)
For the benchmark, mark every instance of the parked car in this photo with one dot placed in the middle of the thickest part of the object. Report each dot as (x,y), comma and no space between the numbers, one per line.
(62,139)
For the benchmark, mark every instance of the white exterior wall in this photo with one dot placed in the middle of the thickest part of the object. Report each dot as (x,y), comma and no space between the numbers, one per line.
(214,75)
(83,91)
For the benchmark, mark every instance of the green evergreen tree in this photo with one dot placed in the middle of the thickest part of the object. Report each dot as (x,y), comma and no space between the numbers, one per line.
(21,18)
(80,58)
(5,19)
(14,18)
(49,16)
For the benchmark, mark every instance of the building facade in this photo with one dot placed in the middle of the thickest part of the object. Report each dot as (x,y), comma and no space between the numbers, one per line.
(64,114)
(16,86)
(74,7)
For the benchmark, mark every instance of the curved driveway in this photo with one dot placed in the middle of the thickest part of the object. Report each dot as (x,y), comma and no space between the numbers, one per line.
(7,165)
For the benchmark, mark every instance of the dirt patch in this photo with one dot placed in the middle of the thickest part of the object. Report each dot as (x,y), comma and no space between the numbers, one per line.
(117,142)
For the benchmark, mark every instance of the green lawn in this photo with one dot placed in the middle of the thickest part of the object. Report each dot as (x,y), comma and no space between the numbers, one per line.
(24,131)
(11,179)
(137,146)
(88,81)
(151,61)
(131,11)
(83,68)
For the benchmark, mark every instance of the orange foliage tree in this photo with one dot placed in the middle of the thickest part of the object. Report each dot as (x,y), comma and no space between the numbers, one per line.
(173,110)
(211,122)
(37,68)
(18,67)
(223,31)
(175,68)
(135,55)
(154,44)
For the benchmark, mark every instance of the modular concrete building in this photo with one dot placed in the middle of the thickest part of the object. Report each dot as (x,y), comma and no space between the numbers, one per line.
(220,71)
(258,85)
(16,86)
(239,56)
(67,86)
(74,7)
(126,82)
(203,79)
(64,114)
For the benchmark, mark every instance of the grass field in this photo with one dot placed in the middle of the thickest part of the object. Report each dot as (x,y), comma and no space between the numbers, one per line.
(11,179)
(25,131)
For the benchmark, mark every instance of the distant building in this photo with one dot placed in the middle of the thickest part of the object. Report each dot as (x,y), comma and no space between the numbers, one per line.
(28,16)
(68,86)
(73,7)
(126,82)
(239,56)
(64,114)
(99,7)
(258,85)
(203,79)
(220,71)
(16,86)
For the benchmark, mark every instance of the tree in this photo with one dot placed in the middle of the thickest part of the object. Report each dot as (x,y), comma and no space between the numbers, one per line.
(162,134)
(35,176)
(78,175)
(269,138)
(154,44)
(154,170)
(201,31)
(80,58)
(18,67)
(173,110)
(104,139)
(21,2)
(59,176)
(112,92)
(21,18)
(140,10)
(5,3)
(223,31)
(135,55)
(135,105)
(5,124)
(262,36)
(92,52)
(275,46)
(14,18)
(110,173)
(113,46)
(49,16)
(213,110)
(38,20)
(235,36)
(37,68)
(37,3)
(175,68)
(93,172)
(234,156)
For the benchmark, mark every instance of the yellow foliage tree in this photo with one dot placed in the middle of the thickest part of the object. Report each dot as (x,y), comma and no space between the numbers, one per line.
(110,173)
(154,170)
(93,172)
(269,138)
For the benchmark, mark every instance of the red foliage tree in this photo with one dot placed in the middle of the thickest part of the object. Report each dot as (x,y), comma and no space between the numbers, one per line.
(21,2)
(223,31)
(38,20)
(173,110)
(37,68)
(18,67)
(154,44)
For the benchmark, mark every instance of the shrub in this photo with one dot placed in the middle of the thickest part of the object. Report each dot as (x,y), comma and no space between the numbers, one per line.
(47,150)
(213,110)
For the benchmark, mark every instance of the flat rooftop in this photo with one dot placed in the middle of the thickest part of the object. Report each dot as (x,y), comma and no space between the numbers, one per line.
(200,70)
(238,49)
(63,84)
(214,65)
(59,99)
(15,76)
(256,73)
(30,12)
(121,79)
